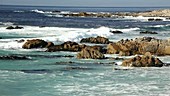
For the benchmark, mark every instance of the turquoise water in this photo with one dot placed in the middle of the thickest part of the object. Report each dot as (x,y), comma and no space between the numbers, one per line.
(61,73)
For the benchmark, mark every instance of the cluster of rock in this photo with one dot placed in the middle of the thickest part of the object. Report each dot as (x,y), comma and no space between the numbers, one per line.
(154,13)
(97,40)
(37,43)
(147,60)
(157,19)
(88,14)
(146,46)
(16,27)
(93,52)
(139,46)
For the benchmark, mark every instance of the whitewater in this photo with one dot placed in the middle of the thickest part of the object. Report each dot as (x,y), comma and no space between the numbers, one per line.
(52,74)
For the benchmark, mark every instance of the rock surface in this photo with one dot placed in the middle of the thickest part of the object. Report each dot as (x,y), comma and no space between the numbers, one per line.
(90,53)
(37,43)
(116,32)
(147,60)
(139,46)
(16,27)
(97,40)
(66,46)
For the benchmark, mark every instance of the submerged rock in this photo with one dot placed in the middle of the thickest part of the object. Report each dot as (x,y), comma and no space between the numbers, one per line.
(147,60)
(37,43)
(97,40)
(13,57)
(148,32)
(90,53)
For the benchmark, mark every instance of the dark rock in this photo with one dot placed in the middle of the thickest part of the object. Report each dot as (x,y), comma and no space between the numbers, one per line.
(36,43)
(148,32)
(77,68)
(116,32)
(151,19)
(97,40)
(16,27)
(10,27)
(158,19)
(20,41)
(147,60)
(13,57)
(66,46)
(56,11)
(36,71)
(90,53)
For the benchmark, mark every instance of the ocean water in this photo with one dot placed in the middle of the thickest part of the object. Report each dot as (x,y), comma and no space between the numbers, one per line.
(50,74)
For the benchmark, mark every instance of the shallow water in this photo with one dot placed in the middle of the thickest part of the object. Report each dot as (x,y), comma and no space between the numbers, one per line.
(61,73)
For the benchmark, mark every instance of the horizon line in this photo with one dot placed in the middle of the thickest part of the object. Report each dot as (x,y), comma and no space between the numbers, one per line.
(87,6)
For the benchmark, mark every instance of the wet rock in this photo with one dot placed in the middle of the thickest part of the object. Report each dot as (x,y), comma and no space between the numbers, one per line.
(10,27)
(16,27)
(20,41)
(37,43)
(151,19)
(97,40)
(90,53)
(148,32)
(66,46)
(139,46)
(13,57)
(56,11)
(147,60)
(116,32)
(157,19)
(36,71)
(76,68)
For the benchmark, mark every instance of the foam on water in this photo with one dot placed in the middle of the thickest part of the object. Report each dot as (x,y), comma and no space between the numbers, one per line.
(141,18)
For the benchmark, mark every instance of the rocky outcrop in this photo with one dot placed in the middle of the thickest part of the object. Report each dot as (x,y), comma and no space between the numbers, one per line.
(66,46)
(97,40)
(90,53)
(16,27)
(116,32)
(139,46)
(147,60)
(148,32)
(37,43)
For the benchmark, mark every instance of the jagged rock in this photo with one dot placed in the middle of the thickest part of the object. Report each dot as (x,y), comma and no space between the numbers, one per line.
(116,32)
(36,43)
(90,53)
(16,27)
(139,46)
(66,46)
(148,32)
(97,40)
(147,60)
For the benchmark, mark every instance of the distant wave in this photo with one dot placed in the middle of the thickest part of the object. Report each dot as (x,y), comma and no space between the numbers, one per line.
(19,11)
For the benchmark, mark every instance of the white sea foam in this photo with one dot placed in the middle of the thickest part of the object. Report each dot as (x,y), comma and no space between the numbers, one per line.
(141,18)
(55,34)
(37,11)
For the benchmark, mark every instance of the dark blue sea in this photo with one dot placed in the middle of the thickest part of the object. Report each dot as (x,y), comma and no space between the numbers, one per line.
(45,74)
